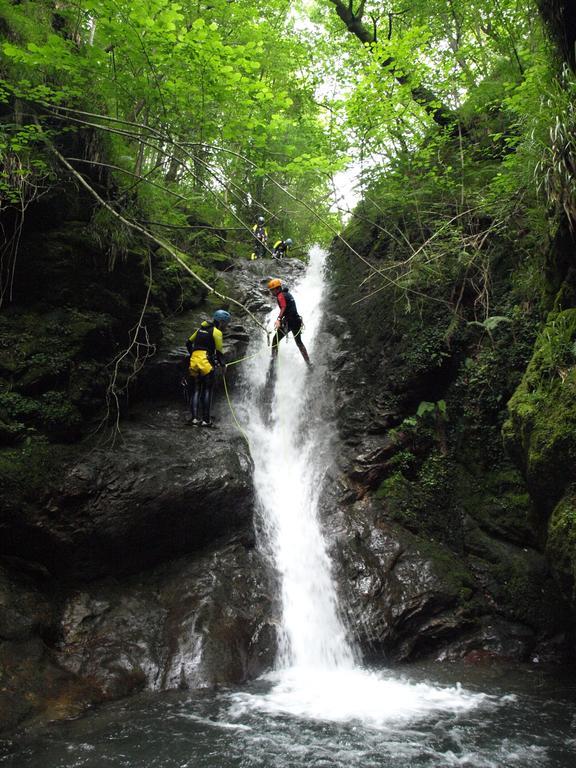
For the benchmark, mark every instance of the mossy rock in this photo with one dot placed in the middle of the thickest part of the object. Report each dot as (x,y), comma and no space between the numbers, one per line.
(217,260)
(451,570)
(499,502)
(541,430)
(18,408)
(12,432)
(28,471)
(424,503)
(53,371)
(59,418)
(395,494)
(174,289)
(561,544)
(476,529)
(518,581)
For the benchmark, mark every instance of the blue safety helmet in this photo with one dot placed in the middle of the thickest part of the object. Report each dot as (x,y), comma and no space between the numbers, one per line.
(288,241)
(221,316)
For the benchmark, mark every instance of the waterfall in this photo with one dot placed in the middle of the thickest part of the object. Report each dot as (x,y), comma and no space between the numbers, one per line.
(289,462)
(317,676)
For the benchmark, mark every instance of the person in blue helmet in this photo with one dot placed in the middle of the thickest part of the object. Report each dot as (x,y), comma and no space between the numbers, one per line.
(206,349)
(280,248)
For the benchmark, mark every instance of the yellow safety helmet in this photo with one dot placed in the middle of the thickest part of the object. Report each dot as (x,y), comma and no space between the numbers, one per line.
(274,283)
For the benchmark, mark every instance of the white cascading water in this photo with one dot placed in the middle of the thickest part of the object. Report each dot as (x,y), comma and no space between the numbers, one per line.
(317,675)
(287,479)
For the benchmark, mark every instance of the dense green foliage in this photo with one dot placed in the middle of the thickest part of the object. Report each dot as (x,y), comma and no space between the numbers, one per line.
(244,108)
(203,100)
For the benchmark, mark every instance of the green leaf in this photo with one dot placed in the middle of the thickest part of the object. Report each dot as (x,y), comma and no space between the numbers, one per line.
(424,408)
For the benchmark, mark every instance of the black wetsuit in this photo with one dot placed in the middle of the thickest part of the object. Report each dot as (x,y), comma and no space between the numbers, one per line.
(290,321)
(280,248)
(261,237)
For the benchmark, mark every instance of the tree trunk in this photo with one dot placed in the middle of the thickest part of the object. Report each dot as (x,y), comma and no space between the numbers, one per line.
(560,19)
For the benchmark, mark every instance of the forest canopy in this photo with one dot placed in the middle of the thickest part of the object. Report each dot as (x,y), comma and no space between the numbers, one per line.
(242,108)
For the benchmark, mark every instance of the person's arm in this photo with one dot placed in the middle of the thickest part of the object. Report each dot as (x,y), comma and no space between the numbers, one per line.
(190,342)
(282,304)
(219,346)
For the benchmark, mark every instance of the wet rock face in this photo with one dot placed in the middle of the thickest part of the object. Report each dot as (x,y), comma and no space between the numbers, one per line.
(399,603)
(34,688)
(433,526)
(145,549)
(28,620)
(198,620)
(165,489)
(24,609)
(195,622)
(409,598)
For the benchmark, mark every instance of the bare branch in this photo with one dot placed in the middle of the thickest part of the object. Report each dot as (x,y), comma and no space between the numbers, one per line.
(171,249)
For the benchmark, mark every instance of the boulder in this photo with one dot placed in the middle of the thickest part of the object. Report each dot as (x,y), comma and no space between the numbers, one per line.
(195,622)
(32,683)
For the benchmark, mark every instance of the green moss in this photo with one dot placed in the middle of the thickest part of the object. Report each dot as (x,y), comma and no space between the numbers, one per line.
(395,493)
(452,571)
(175,289)
(42,363)
(60,419)
(16,407)
(28,471)
(423,503)
(541,429)
(216,260)
(51,413)
(499,502)
(392,487)
(526,592)
(561,544)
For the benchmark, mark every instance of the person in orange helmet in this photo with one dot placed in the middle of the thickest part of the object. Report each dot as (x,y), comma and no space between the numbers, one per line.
(288,319)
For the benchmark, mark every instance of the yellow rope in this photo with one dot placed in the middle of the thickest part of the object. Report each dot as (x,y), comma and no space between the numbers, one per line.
(248,357)
(244,435)
(242,360)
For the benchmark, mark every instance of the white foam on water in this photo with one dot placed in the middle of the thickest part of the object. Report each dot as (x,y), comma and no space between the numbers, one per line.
(373,699)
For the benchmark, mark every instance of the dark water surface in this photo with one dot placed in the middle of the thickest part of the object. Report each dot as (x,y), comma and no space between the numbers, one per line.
(517,716)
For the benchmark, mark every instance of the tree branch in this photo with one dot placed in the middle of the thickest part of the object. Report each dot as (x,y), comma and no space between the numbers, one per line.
(423,96)
(171,249)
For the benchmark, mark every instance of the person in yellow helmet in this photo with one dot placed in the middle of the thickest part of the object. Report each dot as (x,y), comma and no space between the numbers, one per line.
(206,350)
(260,237)
(288,319)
